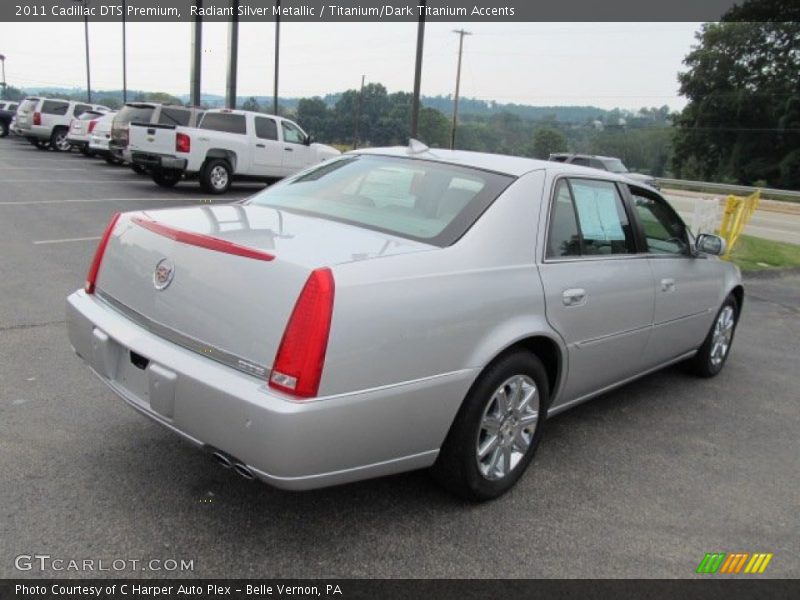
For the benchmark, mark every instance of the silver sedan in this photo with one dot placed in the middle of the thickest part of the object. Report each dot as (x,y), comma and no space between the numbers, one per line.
(398,309)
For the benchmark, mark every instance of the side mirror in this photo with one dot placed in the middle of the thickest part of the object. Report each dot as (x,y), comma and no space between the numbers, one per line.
(309,140)
(710,244)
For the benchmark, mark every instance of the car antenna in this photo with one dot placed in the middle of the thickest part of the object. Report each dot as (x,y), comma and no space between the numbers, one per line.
(416,147)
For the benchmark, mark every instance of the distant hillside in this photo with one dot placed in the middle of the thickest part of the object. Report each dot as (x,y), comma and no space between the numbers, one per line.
(466,106)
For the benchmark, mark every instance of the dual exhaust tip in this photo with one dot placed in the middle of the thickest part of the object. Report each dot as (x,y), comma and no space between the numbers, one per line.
(228,462)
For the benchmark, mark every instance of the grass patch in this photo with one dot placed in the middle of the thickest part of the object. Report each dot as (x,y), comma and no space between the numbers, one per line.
(752,254)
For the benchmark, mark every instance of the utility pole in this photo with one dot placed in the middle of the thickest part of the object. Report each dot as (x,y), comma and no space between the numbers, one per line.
(358,113)
(233,56)
(418,68)
(124,57)
(277,57)
(3,84)
(196,58)
(461,33)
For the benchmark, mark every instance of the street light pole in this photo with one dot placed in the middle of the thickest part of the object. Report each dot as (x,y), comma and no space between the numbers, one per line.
(418,68)
(461,33)
(124,58)
(277,56)
(86,35)
(3,84)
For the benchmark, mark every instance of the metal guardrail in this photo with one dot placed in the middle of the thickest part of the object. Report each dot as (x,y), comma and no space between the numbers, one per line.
(726,188)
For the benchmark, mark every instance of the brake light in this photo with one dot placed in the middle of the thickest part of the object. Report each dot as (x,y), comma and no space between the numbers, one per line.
(92,125)
(94,269)
(37,118)
(298,364)
(183,142)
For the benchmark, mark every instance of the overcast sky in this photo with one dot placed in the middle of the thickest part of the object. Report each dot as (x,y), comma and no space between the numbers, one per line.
(603,64)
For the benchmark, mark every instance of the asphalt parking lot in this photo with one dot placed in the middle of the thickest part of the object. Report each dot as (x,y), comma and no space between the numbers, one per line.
(641,482)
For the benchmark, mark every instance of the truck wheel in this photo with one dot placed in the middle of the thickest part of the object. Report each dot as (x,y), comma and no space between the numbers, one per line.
(58,141)
(41,144)
(3,129)
(166,179)
(215,177)
(112,160)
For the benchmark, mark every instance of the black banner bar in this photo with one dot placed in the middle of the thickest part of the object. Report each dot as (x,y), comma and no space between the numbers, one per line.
(366,10)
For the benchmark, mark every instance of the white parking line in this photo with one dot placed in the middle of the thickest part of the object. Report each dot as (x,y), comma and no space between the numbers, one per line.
(81,239)
(40,168)
(71,201)
(80,181)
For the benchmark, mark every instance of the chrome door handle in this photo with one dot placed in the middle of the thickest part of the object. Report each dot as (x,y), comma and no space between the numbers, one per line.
(574,297)
(668,285)
(289,149)
(260,146)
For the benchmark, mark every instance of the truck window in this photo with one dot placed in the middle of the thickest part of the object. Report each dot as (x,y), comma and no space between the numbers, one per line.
(80,109)
(55,107)
(174,116)
(225,122)
(134,114)
(266,128)
(292,133)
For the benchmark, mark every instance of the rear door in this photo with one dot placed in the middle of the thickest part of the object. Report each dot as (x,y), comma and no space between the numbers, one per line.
(598,290)
(54,113)
(268,150)
(687,287)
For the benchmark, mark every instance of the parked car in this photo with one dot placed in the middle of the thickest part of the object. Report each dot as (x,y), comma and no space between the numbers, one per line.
(227,144)
(100,138)
(45,121)
(80,129)
(147,112)
(8,114)
(606,163)
(396,309)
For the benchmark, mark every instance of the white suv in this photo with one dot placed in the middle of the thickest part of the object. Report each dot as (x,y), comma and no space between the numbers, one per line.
(45,121)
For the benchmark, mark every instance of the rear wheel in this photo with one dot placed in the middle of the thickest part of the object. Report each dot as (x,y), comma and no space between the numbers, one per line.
(112,160)
(166,179)
(497,429)
(3,129)
(58,141)
(711,356)
(41,144)
(138,169)
(215,177)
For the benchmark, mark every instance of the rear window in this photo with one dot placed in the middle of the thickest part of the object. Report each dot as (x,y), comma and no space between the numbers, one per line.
(89,115)
(226,122)
(29,104)
(134,114)
(421,200)
(174,116)
(55,107)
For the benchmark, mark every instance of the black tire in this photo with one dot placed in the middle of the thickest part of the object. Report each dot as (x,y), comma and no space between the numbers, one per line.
(215,176)
(112,160)
(3,129)
(138,169)
(708,362)
(166,179)
(58,140)
(457,466)
(41,145)
(87,152)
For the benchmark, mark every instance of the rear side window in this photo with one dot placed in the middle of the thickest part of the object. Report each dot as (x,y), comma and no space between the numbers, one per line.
(174,116)
(601,223)
(134,114)
(81,108)
(225,122)
(266,128)
(417,199)
(55,107)
(12,106)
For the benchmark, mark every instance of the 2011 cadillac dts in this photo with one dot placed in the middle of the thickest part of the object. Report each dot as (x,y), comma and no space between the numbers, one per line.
(395,309)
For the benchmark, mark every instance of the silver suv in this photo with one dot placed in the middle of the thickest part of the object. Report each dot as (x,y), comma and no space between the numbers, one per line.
(44,122)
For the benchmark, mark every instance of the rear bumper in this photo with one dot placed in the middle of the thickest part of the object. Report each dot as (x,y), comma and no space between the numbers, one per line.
(98,144)
(289,444)
(158,161)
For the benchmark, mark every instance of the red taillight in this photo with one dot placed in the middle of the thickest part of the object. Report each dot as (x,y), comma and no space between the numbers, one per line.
(92,125)
(91,277)
(183,142)
(37,118)
(298,364)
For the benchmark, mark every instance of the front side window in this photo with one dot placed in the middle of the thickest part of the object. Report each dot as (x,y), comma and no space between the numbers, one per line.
(417,199)
(663,229)
(292,133)
(588,219)
(225,122)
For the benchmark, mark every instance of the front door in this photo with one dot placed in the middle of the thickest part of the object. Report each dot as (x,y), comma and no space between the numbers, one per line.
(598,290)
(296,154)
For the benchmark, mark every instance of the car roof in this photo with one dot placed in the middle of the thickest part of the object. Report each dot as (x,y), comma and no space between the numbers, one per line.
(515,166)
(580,155)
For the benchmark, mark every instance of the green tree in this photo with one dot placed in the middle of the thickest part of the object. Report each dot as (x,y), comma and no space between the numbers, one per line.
(162,97)
(314,116)
(743,86)
(251,104)
(547,141)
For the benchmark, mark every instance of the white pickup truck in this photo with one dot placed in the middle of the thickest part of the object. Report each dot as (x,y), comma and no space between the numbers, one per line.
(226,144)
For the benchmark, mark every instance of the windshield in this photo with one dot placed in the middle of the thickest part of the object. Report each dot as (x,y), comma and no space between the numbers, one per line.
(422,200)
(134,114)
(614,165)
